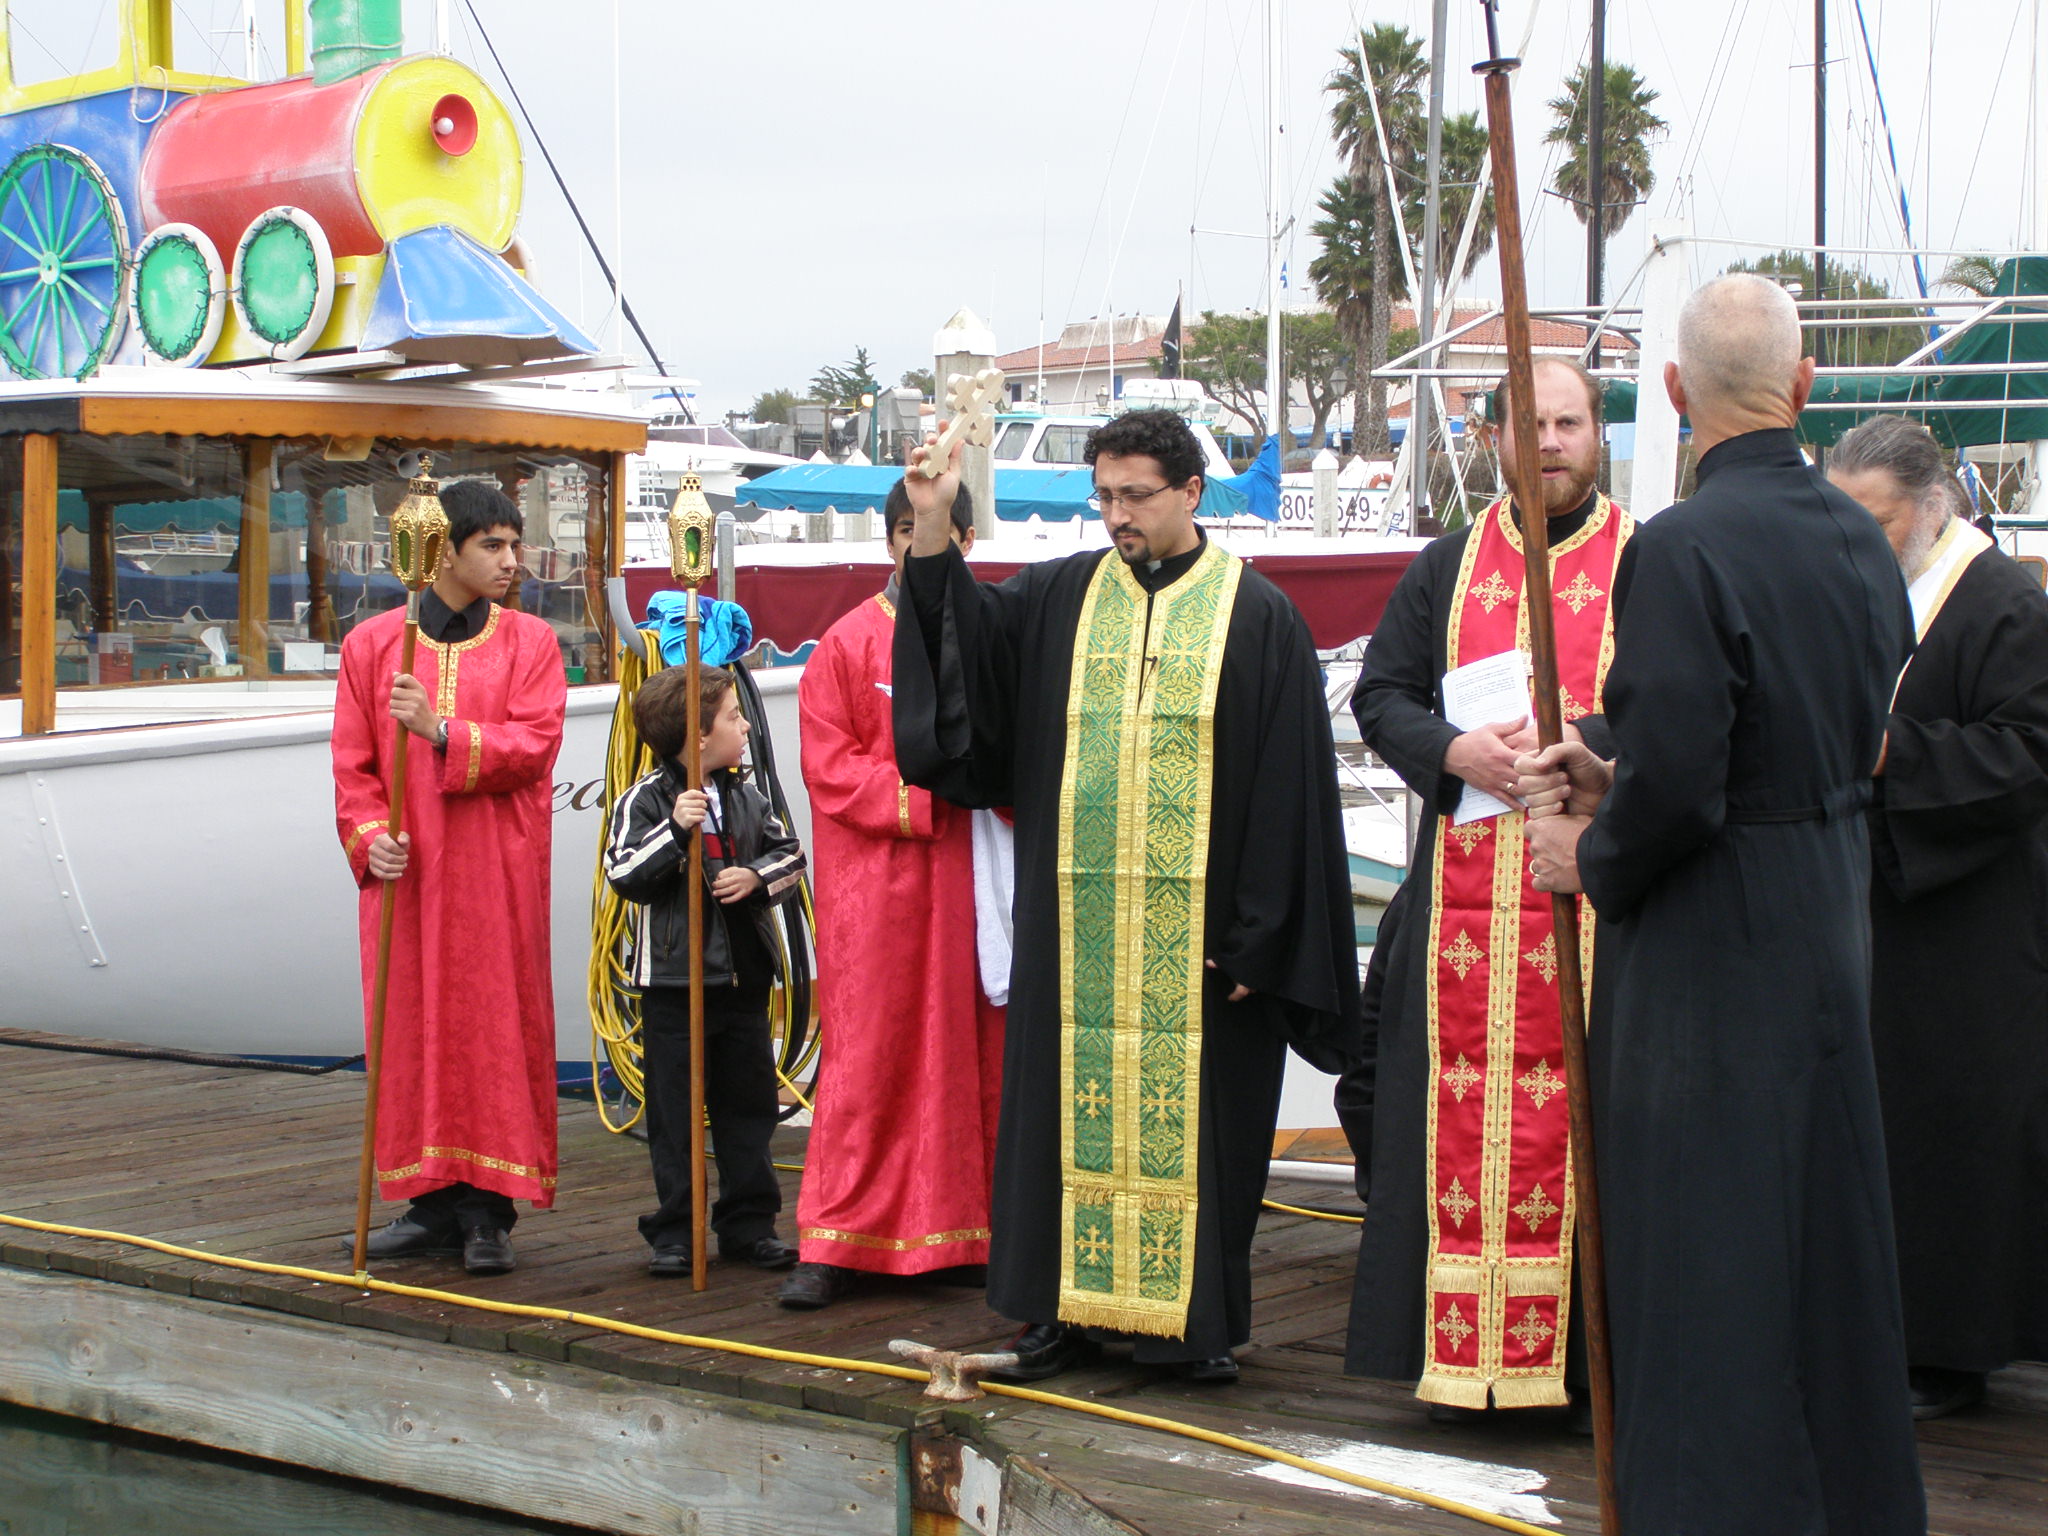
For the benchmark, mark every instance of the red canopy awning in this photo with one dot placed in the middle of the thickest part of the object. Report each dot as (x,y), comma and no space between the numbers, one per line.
(1340,594)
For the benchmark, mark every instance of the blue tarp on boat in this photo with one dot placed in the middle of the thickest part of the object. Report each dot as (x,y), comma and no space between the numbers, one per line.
(1055,495)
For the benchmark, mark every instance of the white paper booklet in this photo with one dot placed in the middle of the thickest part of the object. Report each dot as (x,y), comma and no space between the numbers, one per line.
(1486,692)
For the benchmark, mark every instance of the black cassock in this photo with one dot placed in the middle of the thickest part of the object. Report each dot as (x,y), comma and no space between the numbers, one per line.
(1383,1103)
(1959,1000)
(981,683)
(1760,1368)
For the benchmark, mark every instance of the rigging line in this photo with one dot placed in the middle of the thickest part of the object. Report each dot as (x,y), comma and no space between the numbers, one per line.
(1697,140)
(1984,129)
(1891,147)
(604,266)
(1109,168)
(1131,212)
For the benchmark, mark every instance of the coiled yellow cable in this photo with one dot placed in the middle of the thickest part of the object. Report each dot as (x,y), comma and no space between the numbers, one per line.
(614,1006)
(366,1282)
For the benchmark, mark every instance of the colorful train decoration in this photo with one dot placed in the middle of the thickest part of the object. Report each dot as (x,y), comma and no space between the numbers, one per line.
(367,205)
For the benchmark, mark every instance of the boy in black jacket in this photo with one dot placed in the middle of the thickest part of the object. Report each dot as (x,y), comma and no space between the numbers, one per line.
(751,862)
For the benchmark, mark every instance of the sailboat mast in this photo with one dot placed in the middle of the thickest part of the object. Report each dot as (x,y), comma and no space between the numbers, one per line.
(1596,167)
(1820,169)
(1422,397)
(1276,381)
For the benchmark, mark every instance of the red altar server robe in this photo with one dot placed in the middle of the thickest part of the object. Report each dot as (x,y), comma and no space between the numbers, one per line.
(902,1147)
(469,1037)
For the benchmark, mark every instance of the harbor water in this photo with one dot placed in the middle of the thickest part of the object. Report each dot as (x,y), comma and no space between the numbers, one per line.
(64,1477)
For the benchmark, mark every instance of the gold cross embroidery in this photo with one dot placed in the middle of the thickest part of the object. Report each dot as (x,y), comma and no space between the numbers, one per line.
(1459,1077)
(1093,1246)
(1092,1100)
(1570,707)
(1580,592)
(1544,958)
(1456,1203)
(1536,1208)
(1452,1326)
(1542,1084)
(1492,592)
(1471,834)
(1463,954)
(1532,1330)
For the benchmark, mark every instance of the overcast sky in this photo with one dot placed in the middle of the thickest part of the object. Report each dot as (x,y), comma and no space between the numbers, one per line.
(803,178)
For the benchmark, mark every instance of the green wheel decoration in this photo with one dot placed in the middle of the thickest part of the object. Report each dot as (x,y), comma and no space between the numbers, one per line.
(284,281)
(178,295)
(63,255)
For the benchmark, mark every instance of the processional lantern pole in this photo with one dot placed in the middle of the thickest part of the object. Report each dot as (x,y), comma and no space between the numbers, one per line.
(689,534)
(419,539)
(1525,478)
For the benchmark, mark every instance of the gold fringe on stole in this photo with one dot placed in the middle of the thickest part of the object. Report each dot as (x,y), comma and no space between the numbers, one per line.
(1132,880)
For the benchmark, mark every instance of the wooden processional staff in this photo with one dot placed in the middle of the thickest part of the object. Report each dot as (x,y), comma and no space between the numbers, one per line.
(419,538)
(1526,481)
(689,536)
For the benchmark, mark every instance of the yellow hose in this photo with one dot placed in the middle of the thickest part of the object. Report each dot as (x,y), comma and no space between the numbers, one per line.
(793,1357)
(614,1006)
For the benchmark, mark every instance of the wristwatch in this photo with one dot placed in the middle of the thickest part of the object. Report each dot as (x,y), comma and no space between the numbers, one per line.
(441,736)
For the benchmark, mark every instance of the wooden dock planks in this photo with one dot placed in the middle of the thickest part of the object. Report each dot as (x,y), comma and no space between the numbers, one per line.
(260,1165)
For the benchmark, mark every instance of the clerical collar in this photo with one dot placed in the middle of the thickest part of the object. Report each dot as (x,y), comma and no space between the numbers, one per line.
(892,594)
(1155,575)
(1565,524)
(1763,446)
(448,626)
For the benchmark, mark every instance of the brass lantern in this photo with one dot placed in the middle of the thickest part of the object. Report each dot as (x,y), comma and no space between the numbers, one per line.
(689,534)
(419,530)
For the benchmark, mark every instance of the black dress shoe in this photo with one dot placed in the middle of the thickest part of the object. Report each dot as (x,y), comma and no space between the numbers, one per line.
(762,1253)
(1938,1392)
(404,1238)
(1046,1349)
(1578,1418)
(811,1286)
(1218,1372)
(487,1251)
(670,1263)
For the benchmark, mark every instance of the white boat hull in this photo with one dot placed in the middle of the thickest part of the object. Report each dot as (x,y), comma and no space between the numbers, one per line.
(180,885)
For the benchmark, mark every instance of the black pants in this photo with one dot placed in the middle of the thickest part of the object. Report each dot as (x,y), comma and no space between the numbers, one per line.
(739,1094)
(463,1206)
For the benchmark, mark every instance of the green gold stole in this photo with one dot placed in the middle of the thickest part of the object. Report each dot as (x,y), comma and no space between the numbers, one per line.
(1133,872)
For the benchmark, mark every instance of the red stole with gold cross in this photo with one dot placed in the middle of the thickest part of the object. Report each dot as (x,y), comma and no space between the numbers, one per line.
(1501,1203)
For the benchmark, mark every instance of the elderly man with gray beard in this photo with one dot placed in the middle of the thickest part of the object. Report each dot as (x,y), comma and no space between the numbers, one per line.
(1959,927)
(1759,1357)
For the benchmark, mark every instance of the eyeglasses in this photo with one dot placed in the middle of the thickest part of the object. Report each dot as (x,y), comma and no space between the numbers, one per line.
(1102,501)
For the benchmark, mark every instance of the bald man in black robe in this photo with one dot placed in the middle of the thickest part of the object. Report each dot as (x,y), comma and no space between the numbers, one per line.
(1759,1357)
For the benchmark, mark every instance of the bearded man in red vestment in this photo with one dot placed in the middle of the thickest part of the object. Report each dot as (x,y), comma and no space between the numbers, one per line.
(466,1117)
(902,1147)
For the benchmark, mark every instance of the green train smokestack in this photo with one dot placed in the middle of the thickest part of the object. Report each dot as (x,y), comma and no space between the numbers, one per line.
(352,36)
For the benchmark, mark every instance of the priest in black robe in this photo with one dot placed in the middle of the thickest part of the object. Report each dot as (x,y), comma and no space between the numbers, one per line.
(1759,1355)
(985,688)
(1385,1104)
(1959,927)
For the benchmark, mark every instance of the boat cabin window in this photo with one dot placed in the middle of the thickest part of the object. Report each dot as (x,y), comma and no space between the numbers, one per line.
(235,567)
(1011,444)
(1062,444)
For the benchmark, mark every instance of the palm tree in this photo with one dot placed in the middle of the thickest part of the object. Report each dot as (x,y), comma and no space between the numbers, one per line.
(1386,67)
(1342,272)
(1627,132)
(1464,150)
(1976,274)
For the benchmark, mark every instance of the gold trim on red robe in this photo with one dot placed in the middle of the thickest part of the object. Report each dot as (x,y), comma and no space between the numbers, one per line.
(1501,1201)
